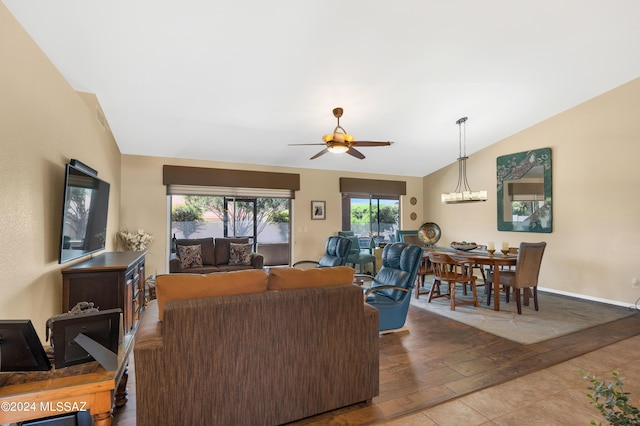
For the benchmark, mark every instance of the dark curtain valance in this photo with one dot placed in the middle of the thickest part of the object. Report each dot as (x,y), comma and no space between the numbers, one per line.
(203,176)
(373,186)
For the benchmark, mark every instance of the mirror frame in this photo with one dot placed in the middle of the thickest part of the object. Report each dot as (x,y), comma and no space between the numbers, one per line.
(512,167)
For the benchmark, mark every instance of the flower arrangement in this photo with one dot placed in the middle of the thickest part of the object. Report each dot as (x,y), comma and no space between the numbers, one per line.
(135,241)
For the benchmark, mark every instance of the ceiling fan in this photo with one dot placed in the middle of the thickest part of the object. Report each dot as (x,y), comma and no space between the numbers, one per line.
(340,141)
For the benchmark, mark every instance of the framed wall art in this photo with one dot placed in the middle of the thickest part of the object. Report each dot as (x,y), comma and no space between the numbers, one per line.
(318,210)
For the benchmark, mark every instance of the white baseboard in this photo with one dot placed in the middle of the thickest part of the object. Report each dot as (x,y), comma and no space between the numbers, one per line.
(591,298)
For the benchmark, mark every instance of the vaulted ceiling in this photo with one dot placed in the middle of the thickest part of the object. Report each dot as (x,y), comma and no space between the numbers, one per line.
(238,81)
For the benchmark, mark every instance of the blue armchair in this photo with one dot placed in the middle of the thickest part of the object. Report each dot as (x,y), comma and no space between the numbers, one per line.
(336,250)
(390,291)
(358,257)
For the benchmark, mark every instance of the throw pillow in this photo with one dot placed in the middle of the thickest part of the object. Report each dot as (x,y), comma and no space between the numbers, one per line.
(240,254)
(190,256)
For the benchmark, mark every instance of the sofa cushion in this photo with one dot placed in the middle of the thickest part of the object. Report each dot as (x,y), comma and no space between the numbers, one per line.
(190,256)
(206,247)
(294,278)
(223,248)
(195,286)
(240,254)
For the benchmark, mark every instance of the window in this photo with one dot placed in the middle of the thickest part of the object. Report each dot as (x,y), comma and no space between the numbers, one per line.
(262,220)
(371,208)
(369,217)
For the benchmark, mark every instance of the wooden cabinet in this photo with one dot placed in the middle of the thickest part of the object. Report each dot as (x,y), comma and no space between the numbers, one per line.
(110,280)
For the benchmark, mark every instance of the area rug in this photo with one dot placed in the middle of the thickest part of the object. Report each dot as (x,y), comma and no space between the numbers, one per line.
(558,315)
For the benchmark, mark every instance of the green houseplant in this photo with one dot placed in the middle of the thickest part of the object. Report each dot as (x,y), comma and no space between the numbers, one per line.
(611,401)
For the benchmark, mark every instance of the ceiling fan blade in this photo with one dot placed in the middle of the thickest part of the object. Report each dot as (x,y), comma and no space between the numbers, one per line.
(305,144)
(355,153)
(369,143)
(324,151)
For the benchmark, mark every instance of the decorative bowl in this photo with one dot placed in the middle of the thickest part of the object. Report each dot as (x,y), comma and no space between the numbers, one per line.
(464,245)
(429,233)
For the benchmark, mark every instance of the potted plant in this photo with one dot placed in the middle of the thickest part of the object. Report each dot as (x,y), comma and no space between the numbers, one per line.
(611,401)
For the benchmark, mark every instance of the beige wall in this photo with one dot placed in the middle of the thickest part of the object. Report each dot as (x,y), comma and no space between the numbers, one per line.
(144,203)
(593,249)
(43,123)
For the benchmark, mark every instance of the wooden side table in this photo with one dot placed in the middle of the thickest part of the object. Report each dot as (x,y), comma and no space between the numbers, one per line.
(34,395)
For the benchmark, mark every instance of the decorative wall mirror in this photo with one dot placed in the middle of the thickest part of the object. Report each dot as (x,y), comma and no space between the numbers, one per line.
(524,191)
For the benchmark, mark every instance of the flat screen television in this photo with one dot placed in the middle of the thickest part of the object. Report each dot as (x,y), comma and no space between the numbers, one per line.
(102,327)
(84,215)
(20,347)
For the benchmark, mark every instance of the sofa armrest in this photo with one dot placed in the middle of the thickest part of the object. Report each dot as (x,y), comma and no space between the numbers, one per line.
(149,332)
(153,375)
(257,261)
(175,266)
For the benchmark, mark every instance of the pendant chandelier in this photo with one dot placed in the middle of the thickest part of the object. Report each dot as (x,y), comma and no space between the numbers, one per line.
(463,193)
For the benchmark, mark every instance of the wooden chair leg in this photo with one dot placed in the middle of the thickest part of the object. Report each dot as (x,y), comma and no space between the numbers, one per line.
(435,289)
(535,297)
(489,289)
(507,291)
(464,285)
(475,292)
(484,277)
(518,302)
(452,292)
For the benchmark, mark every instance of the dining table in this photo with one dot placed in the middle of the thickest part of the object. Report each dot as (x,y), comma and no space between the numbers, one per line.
(496,260)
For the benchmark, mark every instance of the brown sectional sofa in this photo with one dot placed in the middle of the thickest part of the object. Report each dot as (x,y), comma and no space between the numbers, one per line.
(299,343)
(215,256)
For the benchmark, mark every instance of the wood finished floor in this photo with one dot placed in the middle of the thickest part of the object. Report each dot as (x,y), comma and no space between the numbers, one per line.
(438,359)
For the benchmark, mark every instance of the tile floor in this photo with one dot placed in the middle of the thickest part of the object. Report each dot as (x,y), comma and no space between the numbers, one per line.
(554,396)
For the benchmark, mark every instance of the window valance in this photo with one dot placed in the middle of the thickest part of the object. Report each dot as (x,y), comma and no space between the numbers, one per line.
(373,187)
(212,181)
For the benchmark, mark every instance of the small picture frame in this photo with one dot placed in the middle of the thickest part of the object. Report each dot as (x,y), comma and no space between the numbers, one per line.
(318,210)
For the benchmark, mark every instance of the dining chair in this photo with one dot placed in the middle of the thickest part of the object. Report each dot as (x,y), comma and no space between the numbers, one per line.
(481,269)
(424,270)
(525,275)
(358,257)
(452,271)
(336,250)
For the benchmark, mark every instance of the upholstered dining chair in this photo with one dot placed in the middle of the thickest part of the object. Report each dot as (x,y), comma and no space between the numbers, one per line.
(452,271)
(390,290)
(336,250)
(525,275)
(358,257)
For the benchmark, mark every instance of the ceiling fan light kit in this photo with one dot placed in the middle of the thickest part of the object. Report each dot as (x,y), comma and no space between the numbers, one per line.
(463,193)
(338,148)
(340,141)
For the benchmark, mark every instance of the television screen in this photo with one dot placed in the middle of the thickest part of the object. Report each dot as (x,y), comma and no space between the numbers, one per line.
(103,327)
(84,215)
(20,347)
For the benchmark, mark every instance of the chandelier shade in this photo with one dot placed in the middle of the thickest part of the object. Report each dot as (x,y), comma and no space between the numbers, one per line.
(463,192)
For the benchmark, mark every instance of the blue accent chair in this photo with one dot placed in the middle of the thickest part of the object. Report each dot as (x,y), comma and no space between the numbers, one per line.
(358,257)
(336,250)
(390,291)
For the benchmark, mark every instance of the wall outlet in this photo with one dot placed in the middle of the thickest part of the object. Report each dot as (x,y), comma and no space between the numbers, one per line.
(635,283)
